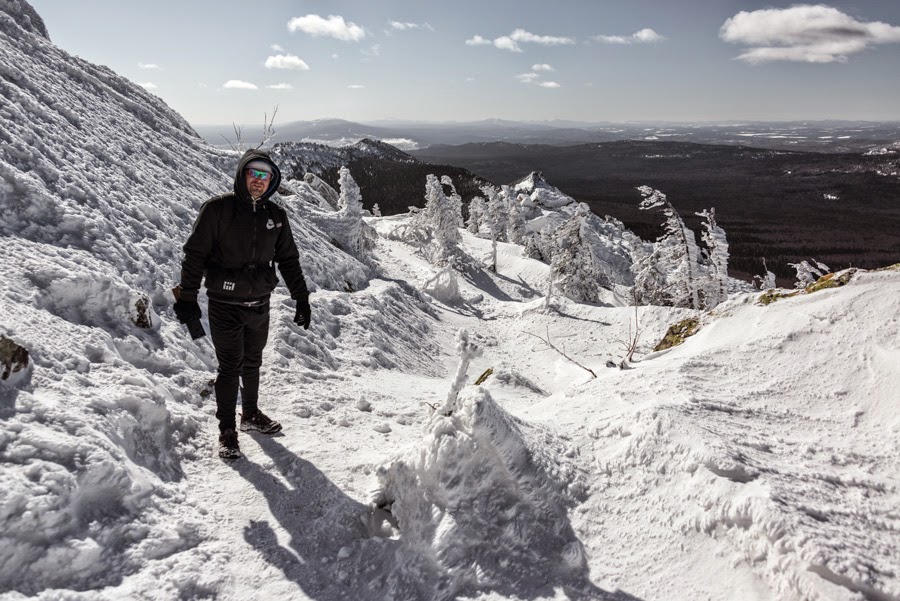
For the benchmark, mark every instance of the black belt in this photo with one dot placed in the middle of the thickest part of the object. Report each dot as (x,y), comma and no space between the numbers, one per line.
(250,303)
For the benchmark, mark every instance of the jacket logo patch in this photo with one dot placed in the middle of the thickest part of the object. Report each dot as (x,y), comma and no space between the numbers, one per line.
(228,286)
(270,224)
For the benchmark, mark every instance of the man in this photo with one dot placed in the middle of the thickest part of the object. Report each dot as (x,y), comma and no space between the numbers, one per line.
(236,241)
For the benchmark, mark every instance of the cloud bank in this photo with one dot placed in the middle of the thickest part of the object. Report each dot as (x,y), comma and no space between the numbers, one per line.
(334,27)
(286,61)
(519,36)
(644,36)
(804,33)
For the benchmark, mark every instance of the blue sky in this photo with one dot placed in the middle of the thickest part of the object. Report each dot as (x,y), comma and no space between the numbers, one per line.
(589,60)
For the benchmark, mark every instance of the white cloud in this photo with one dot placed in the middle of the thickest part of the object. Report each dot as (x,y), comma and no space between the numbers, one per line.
(542,67)
(334,27)
(237,84)
(549,84)
(647,36)
(804,33)
(281,86)
(286,61)
(399,26)
(527,77)
(511,42)
(507,43)
(520,35)
(276,48)
(374,50)
(356,86)
(148,85)
(149,67)
(644,36)
(335,56)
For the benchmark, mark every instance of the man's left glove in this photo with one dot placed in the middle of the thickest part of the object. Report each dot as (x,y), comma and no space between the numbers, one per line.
(304,313)
(187,311)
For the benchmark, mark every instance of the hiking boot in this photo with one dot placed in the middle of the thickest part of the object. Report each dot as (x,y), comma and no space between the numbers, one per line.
(228,445)
(259,422)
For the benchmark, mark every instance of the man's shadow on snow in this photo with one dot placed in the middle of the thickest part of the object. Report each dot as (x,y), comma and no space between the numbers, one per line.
(317,515)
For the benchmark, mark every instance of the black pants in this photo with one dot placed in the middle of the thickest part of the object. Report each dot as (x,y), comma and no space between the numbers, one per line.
(239,335)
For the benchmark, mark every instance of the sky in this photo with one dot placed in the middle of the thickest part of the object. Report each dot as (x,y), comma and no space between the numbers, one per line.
(590,60)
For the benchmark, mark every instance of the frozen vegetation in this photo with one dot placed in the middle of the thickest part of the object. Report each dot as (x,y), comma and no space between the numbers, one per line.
(756,460)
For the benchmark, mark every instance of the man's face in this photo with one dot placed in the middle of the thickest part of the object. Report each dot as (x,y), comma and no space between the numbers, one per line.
(258,182)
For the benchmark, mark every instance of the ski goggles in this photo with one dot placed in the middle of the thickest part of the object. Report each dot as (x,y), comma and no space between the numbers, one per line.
(259,174)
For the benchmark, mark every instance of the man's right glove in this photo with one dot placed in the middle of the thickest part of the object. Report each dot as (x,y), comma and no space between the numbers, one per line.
(187,311)
(304,313)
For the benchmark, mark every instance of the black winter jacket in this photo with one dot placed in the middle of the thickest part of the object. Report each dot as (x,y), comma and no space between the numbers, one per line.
(236,242)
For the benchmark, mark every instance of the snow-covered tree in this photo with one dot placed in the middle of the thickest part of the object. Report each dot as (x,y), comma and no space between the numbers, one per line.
(441,218)
(496,213)
(572,266)
(350,211)
(807,273)
(515,226)
(765,282)
(715,289)
(476,215)
(454,199)
(376,210)
(679,261)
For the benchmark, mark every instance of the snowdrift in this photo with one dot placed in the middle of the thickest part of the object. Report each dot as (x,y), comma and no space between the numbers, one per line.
(481,503)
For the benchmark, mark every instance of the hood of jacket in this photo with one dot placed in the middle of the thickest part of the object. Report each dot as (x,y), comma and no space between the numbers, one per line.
(240,184)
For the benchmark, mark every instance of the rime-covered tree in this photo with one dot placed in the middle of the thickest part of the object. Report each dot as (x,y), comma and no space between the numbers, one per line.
(765,282)
(515,225)
(441,218)
(496,213)
(455,199)
(476,215)
(715,289)
(350,212)
(572,266)
(679,259)
(807,273)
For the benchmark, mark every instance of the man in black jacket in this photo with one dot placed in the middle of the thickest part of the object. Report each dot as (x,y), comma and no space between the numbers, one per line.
(235,243)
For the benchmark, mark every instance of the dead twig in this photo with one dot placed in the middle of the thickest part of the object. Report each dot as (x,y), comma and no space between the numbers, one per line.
(268,128)
(631,342)
(550,344)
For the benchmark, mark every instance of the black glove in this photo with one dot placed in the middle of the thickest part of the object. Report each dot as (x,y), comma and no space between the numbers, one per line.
(304,313)
(187,311)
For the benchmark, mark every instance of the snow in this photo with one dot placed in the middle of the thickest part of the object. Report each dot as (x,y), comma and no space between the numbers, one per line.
(756,461)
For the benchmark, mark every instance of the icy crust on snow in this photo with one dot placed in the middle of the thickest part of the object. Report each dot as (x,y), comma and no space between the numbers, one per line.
(482,503)
(797,474)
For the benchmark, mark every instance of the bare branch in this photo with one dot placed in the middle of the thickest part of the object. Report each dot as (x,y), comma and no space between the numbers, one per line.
(237,135)
(229,142)
(268,128)
(631,342)
(550,344)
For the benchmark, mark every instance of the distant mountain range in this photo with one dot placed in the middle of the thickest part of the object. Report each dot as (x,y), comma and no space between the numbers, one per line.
(821,136)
